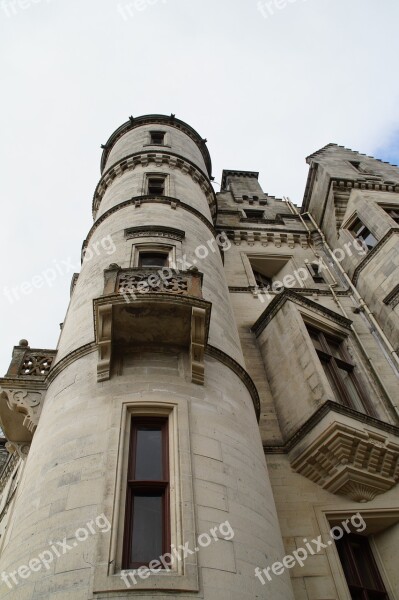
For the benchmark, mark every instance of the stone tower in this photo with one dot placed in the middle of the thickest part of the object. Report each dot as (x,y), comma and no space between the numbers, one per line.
(139,435)
(220,419)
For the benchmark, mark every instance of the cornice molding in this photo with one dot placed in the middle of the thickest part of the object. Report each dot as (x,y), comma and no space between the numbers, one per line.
(304,291)
(329,406)
(266,236)
(238,370)
(170,121)
(158,158)
(277,303)
(137,201)
(155,231)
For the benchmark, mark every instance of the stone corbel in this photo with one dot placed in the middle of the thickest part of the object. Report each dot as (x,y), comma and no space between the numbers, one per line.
(104,341)
(26,402)
(19,448)
(198,342)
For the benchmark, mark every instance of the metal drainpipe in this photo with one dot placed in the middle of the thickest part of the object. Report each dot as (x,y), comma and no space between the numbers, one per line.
(357,300)
(317,255)
(360,303)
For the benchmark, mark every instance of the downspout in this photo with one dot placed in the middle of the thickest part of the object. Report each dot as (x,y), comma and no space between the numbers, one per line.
(360,303)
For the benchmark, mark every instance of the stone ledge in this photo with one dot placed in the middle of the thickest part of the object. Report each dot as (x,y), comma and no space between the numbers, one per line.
(344,459)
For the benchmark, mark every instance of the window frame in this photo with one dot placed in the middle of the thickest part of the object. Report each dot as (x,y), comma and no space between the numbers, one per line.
(389,208)
(361,233)
(347,558)
(157,132)
(315,273)
(149,248)
(249,214)
(142,252)
(333,366)
(154,178)
(146,486)
(182,576)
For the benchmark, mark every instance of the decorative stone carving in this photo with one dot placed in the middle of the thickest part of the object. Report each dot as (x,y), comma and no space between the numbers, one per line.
(20,449)
(25,402)
(36,364)
(135,283)
(356,463)
(155,231)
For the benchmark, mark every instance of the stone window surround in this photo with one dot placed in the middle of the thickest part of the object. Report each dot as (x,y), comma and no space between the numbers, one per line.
(183,575)
(377,521)
(345,336)
(349,223)
(157,175)
(151,246)
(167,142)
(246,259)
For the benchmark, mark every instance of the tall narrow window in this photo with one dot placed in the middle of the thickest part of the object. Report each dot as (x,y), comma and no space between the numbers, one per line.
(359,566)
(147,529)
(340,371)
(157,138)
(362,233)
(156,186)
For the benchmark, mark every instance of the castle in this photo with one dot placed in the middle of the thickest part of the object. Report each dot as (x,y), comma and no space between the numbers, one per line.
(220,418)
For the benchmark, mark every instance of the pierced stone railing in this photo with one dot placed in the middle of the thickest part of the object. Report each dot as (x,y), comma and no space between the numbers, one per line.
(139,281)
(36,364)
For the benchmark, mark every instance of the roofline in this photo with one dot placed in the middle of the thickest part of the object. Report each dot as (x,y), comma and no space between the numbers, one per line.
(171,121)
(227,172)
(333,145)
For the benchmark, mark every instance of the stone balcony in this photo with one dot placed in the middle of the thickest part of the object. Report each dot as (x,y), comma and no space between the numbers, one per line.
(22,392)
(143,308)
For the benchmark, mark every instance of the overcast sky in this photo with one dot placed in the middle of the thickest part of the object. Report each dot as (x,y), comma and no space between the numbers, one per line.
(265,87)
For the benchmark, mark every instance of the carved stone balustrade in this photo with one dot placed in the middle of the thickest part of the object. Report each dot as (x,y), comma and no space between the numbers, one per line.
(22,392)
(131,282)
(151,307)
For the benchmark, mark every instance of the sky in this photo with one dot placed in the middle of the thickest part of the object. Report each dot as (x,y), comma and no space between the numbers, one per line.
(267,83)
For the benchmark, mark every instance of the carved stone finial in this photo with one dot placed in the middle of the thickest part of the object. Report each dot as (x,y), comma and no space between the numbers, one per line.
(23,343)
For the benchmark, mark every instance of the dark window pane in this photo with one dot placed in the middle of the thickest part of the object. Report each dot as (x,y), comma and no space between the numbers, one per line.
(156,186)
(148,454)
(361,232)
(147,528)
(152,259)
(254,214)
(346,378)
(157,137)
(261,280)
(329,372)
(361,572)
